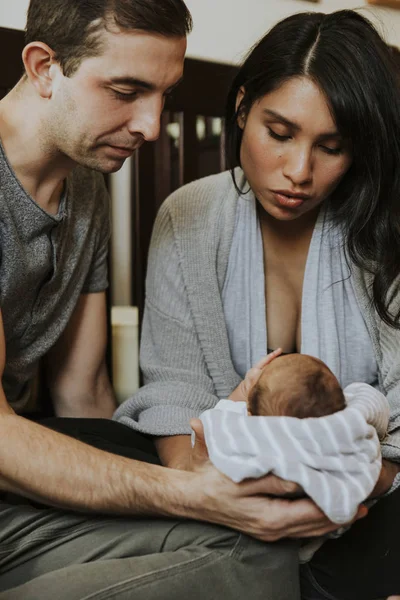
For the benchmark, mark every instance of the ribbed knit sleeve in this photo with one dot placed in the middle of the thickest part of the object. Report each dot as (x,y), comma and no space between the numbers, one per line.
(389,342)
(386,342)
(178,383)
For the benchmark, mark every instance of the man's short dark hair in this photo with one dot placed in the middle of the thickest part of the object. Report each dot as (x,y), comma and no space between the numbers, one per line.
(71,28)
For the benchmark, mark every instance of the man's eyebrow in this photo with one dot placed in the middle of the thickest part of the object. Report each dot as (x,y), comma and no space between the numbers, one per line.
(133,82)
(278,117)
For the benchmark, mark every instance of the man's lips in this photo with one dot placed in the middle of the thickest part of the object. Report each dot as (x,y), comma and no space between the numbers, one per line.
(122,150)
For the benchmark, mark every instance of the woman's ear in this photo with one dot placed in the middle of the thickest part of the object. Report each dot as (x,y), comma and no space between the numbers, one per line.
(38,59)
(241,118)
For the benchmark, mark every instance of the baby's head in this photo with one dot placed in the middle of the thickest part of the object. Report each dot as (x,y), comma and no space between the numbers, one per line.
(296,385)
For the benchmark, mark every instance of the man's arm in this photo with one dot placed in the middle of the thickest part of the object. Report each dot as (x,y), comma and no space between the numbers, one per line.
(75,366)
(46,466)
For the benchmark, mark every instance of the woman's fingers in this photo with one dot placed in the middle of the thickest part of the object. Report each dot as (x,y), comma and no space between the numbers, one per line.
(253,374)
(267,359)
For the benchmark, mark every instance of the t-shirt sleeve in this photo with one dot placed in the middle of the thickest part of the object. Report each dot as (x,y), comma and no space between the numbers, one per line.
(97,277)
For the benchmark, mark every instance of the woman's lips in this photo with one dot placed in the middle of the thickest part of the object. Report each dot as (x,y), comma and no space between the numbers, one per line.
(288,201)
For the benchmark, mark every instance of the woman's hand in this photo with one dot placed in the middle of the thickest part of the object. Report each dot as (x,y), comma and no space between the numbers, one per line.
(241,393)
(199,453)
(388,472)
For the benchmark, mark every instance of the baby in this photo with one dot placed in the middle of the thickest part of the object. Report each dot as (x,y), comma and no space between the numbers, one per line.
(293,385)
(265,427)
(290,417)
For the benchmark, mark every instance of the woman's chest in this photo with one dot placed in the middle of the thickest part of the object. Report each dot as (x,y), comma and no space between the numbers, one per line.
(284,270)
(283,303)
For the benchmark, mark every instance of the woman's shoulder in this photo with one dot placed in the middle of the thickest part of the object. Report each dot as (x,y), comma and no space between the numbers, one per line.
(204,195)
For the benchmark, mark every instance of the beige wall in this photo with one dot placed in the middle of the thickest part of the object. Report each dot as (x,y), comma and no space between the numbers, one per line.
(13,13)
(225,29)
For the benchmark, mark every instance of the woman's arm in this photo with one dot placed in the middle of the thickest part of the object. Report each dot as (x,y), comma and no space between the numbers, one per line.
(386,478)
(178,385)
(174,451)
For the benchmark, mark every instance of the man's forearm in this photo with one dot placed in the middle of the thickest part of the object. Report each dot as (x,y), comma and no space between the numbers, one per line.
(49,467)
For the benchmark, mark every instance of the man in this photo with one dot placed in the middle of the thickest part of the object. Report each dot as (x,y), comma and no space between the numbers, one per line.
(96,76)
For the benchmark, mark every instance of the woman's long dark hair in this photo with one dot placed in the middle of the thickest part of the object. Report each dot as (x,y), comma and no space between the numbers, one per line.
(349,61)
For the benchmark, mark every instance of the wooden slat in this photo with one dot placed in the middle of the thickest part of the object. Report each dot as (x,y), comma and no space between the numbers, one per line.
(388,3)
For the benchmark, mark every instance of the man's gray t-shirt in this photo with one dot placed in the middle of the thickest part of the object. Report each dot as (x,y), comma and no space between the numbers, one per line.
(46,262)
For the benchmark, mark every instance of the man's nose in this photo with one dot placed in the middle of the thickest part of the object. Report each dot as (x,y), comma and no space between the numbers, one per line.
(145,119)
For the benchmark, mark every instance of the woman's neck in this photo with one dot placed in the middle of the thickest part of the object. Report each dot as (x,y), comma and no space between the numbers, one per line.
(288,232)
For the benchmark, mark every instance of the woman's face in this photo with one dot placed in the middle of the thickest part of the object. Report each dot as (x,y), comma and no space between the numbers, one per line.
(292,153)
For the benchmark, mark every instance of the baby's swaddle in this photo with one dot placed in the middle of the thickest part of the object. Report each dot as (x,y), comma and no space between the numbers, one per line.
(336,459)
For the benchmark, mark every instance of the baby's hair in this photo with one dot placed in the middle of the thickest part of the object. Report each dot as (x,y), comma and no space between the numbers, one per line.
(306,388)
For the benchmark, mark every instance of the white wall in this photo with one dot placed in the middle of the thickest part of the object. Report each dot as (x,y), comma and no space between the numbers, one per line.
(13,13)
(225,29)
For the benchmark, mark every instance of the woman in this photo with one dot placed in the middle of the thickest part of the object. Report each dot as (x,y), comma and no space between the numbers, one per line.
(299,249)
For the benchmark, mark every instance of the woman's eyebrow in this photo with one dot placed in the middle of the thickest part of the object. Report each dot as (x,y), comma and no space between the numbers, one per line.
(278,117)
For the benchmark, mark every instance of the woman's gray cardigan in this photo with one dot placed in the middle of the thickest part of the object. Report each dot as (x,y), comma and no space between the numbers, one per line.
(185,354)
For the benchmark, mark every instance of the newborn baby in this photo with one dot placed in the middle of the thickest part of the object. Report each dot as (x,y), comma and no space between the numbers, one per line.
(290,417)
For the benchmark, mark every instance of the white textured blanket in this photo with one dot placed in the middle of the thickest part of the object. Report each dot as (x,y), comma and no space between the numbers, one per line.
(336,459)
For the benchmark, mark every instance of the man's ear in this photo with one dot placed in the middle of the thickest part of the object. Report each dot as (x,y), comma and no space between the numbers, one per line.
(38,59)
(241,119)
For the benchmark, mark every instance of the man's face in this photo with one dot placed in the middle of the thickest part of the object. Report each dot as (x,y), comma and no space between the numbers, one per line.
(113,102)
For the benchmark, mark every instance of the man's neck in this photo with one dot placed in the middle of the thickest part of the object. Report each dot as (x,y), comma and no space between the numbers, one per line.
(40,169)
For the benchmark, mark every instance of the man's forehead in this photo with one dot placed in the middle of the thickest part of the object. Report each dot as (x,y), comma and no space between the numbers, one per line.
(137,58)
(125,40)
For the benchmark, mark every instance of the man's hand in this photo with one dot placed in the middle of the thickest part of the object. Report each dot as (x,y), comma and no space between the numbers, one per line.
(250,507)
(253,506)
(199,457)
